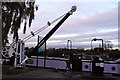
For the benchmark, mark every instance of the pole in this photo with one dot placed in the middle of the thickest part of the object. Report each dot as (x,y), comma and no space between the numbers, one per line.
(91,45)
(69,47)
(45,56)
(37,51)
(102,43)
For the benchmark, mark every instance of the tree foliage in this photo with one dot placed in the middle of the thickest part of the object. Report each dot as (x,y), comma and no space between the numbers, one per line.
(13,14)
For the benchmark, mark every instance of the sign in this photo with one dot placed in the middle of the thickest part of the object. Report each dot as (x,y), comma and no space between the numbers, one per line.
(42,48)
(97,64)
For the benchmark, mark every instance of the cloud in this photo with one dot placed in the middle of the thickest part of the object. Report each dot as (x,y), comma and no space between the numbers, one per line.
(79,41)
(84,40)
(78,0)
(92,23)
(89,21)
(86,36)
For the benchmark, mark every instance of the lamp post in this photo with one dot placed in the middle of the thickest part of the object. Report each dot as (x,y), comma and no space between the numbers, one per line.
(69,41)
(96,40)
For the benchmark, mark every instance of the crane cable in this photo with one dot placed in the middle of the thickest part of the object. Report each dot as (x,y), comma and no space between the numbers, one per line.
(41,29)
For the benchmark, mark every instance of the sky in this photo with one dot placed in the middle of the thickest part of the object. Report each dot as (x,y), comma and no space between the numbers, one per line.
(95,19)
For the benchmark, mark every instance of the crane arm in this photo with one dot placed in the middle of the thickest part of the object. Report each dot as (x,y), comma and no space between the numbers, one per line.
(73,9)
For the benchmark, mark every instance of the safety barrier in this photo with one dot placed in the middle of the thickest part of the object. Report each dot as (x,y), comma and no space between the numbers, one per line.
(62,63)
(86,65)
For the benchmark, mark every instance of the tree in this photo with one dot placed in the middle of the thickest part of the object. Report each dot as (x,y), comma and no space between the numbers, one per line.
(13,14)
(108,45)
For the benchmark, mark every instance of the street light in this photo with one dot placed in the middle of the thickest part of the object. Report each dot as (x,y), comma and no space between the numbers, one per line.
(69,41)
(96,40)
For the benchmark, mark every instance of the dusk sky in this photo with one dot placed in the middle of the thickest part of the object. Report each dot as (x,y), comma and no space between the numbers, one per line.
(91,20)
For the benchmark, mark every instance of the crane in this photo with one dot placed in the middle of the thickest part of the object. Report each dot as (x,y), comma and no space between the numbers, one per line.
(19,45)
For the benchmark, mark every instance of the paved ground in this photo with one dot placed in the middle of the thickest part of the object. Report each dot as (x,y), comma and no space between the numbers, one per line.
(42,73)
(52,73)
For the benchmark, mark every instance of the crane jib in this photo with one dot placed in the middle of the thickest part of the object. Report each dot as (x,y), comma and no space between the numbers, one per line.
(73,9)
(50,33)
